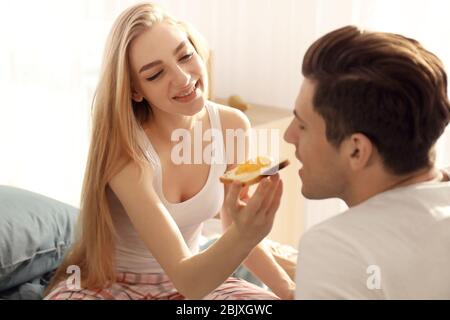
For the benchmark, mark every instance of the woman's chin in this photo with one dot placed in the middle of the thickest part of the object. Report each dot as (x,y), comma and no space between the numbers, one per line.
(194,107)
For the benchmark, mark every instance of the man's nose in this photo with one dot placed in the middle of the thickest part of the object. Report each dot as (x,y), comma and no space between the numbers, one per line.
(288,136)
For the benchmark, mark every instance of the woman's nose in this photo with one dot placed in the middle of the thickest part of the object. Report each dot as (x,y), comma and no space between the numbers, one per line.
(181,77)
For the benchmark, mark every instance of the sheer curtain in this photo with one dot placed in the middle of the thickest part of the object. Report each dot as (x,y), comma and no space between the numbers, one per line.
(49,61)
(51,52)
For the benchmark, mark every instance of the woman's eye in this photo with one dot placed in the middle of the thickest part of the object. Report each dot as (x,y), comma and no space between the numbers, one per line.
(154,76)
(187,57)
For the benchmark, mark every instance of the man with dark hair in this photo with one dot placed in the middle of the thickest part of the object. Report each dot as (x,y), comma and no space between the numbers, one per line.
(367,118)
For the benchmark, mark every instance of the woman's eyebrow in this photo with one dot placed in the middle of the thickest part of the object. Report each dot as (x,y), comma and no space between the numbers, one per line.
(179,47)
(154,63)
(150,65)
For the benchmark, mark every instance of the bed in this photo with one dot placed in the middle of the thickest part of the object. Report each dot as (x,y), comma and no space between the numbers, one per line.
(36,231)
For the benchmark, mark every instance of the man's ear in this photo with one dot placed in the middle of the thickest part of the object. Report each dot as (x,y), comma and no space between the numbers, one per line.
(135,95)
(359,150)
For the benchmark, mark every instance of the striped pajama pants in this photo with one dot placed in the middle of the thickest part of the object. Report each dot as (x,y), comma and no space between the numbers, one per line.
(134,286)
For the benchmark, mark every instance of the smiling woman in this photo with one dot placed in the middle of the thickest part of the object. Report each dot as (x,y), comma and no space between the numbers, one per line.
(180,78)
(141,214)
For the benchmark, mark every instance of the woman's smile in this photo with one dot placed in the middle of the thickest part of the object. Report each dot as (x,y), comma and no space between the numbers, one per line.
(189,94)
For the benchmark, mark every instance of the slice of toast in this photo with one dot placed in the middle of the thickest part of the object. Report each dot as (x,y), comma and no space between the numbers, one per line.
(254,176)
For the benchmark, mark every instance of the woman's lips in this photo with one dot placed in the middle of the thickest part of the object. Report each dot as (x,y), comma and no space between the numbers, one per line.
(188,95)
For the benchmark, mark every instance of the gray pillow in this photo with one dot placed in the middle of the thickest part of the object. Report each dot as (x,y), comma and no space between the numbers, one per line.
(35,232)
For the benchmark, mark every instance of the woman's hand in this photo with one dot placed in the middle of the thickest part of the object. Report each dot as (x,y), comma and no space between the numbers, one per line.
(446,174)
(253,216)
(287,292)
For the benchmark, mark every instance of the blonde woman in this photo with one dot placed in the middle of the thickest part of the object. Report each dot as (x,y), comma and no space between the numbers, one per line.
(141,213)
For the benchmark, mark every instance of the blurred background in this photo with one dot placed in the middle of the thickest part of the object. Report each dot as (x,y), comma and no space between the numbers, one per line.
(50,55)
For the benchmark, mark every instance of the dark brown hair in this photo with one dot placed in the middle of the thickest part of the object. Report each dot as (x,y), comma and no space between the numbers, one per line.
(383,85)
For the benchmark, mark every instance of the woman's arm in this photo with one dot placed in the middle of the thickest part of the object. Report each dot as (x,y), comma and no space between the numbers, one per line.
(446,174)
(194,276)
(261,261)
(263,265)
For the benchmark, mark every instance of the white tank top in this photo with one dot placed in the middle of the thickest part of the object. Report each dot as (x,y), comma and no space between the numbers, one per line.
(132,254)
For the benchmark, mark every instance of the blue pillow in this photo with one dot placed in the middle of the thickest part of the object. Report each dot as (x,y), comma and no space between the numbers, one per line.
(35,232)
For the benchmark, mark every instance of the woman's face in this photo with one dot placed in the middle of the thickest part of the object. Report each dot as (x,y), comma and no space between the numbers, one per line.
(167,71)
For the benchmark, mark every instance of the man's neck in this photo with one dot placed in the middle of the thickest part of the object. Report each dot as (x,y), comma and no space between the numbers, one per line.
(378,182)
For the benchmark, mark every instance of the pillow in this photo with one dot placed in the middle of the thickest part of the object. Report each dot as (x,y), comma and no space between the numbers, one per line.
(35,232)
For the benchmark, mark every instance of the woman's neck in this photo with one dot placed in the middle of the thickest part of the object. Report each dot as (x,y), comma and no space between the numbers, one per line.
(163,124)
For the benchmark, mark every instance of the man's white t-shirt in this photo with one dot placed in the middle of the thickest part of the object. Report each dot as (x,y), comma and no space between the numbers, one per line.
(396,245)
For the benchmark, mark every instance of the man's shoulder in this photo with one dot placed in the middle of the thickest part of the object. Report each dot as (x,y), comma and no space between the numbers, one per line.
(350,227)
(332,263)
(330,234)
(338,223)
(411,202)
(376,219)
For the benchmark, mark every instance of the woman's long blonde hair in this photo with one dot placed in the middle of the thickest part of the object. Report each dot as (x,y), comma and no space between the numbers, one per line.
(114,142)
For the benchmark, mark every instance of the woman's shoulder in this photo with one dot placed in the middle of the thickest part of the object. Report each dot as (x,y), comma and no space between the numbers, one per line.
(129,169)
(231,118)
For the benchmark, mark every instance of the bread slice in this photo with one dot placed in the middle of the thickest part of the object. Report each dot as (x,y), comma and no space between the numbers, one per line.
(252,177)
